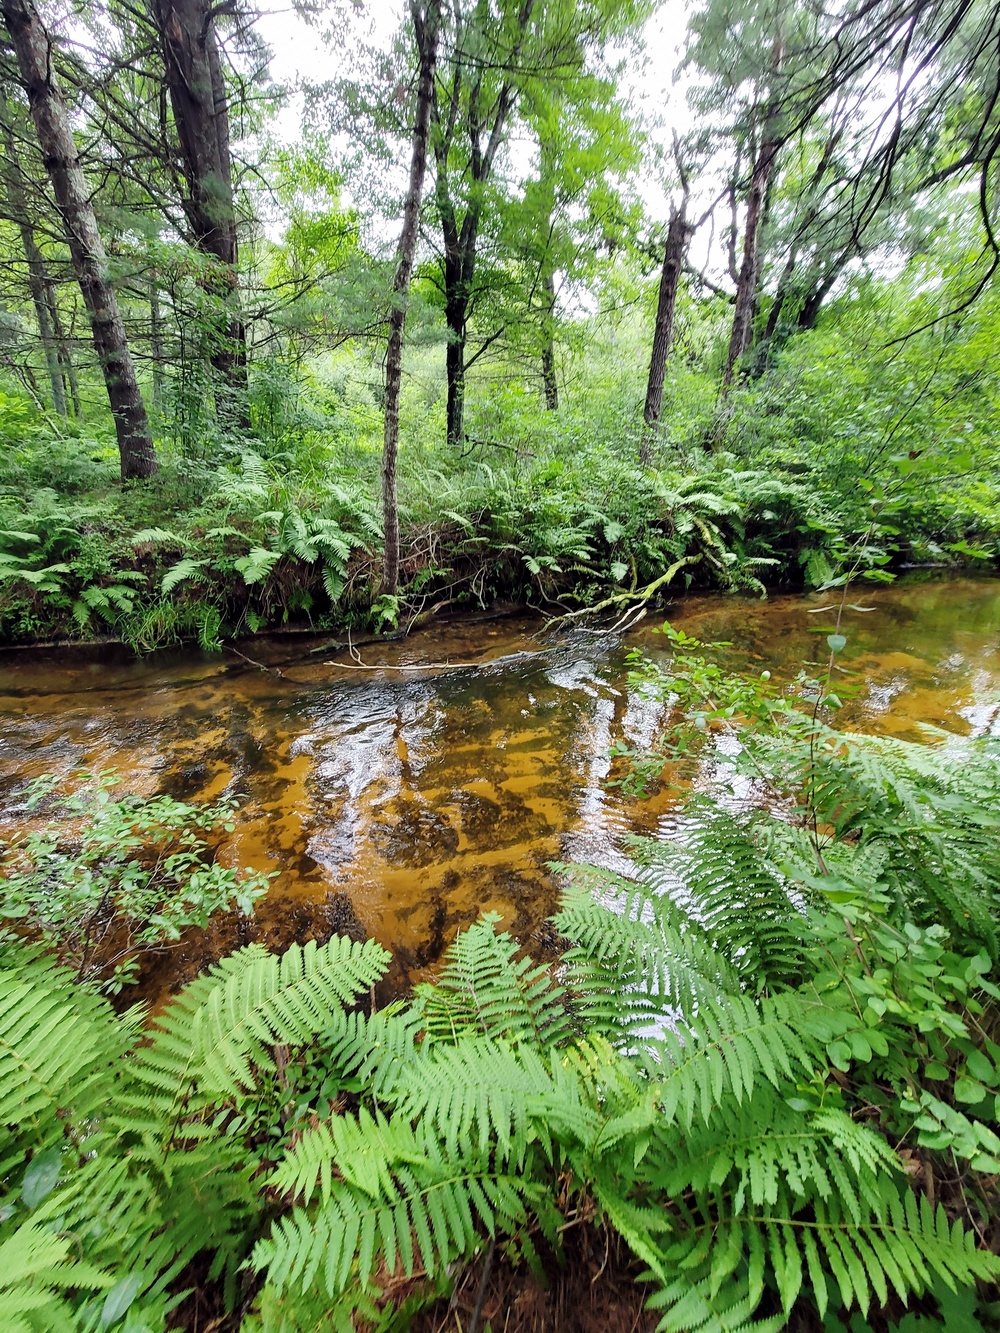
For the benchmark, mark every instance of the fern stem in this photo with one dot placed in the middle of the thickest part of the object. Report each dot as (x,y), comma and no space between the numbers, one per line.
(477,1309)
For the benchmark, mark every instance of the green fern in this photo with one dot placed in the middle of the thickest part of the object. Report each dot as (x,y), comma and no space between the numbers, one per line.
(256,566)
(37,1274)
(485,988)
(181,572)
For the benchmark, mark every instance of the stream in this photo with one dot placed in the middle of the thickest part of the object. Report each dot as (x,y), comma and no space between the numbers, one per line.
(407,792)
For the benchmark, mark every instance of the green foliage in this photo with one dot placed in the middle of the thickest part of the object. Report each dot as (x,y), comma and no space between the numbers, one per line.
(758,1065)
(117,878)
(137,1154)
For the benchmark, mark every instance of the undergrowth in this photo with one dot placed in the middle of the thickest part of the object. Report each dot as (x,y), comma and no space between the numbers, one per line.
(207,554)
(764,1071)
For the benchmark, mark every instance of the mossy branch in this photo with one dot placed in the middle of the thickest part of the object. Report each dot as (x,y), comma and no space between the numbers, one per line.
(630,597)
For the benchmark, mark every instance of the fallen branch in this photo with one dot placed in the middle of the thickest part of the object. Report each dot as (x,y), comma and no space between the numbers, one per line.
(435,666)
(627,597)
(261,666)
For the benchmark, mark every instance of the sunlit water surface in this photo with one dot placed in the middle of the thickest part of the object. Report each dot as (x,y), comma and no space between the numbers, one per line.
(412,801)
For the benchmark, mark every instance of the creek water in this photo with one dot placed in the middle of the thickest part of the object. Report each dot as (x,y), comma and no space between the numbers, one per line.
(434,779)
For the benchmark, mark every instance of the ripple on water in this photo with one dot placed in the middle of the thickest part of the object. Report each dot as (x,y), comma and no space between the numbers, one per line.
(420,799)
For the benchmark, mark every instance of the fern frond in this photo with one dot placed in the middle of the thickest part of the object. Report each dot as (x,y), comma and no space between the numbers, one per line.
(397,1197)
(738,901)
(484,988)
(257,564)
(181,572)
(372,1048)
(907,1246)
(157,537)
(227,1020)
(634,959)
(59,1045)
(35,1269)
(484,1094)
(725,1051)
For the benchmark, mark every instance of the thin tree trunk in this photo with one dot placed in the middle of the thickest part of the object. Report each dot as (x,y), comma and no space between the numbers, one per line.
(460,243)
(156,340)
(778,304)
(749,274)
(37,277)
(549,347)
(455,319)
(678,238)
(757,203)
(38,285)
(55,139)
(65,352)
(813,303)
(425,27)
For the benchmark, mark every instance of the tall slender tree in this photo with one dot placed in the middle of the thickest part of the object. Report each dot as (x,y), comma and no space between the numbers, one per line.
(472,110)
(34,50)
(767,141)
(38,281)
(679,233)
(426,20)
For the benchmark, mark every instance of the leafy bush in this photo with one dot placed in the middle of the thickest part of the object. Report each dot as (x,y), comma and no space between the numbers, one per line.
(118,878)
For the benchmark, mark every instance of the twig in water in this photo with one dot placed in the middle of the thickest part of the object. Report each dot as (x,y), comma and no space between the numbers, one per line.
(261,666)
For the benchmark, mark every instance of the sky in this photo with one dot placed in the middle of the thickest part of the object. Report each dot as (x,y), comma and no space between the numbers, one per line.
(299,52)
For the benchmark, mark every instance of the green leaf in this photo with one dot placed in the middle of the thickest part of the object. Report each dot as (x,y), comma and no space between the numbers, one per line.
(41,1177)
(120,1298)
(968,1090)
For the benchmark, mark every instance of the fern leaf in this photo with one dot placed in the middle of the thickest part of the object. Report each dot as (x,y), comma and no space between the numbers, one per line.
(181,572)
(483,987)
(226,1021)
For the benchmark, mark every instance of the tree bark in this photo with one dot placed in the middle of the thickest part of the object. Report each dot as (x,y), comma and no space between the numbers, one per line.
(425,27)
(749,274)
(195,82)
(757,201)
(455,314)
(55,139)
(37,276)
(549,346)
(678,238)
(813,303)
(156,340)
(65,351)
(486,128)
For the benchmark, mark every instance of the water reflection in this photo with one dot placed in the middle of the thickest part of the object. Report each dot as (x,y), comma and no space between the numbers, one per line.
(415,800)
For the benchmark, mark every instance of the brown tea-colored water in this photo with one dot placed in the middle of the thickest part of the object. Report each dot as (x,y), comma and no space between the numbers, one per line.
(417,795)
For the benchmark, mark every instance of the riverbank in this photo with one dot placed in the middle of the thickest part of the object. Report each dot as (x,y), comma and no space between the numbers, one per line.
(211,555)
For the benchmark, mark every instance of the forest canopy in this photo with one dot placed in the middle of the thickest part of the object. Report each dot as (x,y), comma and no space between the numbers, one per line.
(527,300)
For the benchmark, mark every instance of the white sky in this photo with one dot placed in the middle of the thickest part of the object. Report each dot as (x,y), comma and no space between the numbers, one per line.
(300,53)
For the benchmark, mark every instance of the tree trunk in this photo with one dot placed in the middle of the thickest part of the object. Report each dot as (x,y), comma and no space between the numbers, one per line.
(65,352)
(749,274)
(549,347)
(39,287)
(200,109)
(156,340)
(460,243)
(55,139)
(813,303)
(37,277)
(425,27)
(678,238)
(455,318)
